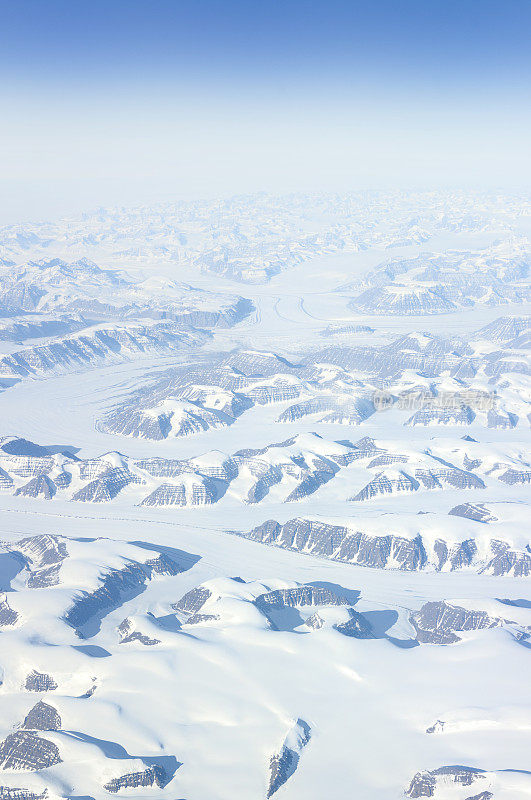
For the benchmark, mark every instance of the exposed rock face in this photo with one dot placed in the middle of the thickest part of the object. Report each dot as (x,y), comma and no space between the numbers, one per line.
(207,394)
(332,409)
(42,717)
(6,482)
(301,464)
(390,361)
(193,600)
(437,727)
(28,465)
(504,421)
(386,459)
(503,329)
(39,682)
(514,476)
(507,560)
(395,552)
(197,491)
(129,634)
(42,326)
(26,750)
(118,585)
(424,784)
(270,477)
(296,467)
(302,596)
(284,763)
(470,463)
(457,478)
(473,511)
(8,616)
(106,486)
(501,363)
(185,419)
(96,347)
(310,483)
(152,776)
(438,283)
(277,391)
(177,407)
(442,416)
(315,622)
(357,626)
(197,619)
(7,793)
(437,622)
(282,767)
(299,534)
(40,486)
(393,482)
(42,557)
(403,300)
(214,389)
(163,467)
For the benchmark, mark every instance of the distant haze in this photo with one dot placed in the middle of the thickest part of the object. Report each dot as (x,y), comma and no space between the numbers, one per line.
(131,102)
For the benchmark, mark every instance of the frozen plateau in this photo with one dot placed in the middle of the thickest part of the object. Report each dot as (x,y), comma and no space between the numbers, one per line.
(265,473)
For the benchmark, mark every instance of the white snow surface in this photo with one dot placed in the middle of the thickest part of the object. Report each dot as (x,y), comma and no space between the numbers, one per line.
(174,380)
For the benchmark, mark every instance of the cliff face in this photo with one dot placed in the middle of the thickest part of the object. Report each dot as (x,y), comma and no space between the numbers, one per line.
(393,552)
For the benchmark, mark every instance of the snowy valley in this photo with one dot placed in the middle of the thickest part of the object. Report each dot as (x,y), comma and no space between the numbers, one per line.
(264,499)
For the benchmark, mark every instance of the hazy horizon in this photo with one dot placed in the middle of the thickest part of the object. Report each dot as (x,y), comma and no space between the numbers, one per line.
(127,103)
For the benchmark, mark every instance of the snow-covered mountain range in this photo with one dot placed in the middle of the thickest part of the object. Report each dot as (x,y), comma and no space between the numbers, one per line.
(264,500)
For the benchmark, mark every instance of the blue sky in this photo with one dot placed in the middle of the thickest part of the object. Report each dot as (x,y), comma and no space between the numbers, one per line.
(79,42)
(123,101)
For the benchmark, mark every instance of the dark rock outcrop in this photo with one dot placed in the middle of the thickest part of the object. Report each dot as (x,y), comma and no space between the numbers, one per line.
(307,595)
(42,717)
(438,622)
(425,783)
(9,793)
(43,556)
(39,682)
(152,776)
(8,616)
(391,551)
(117,586)
(357,626)
(284,763)
(41,486)
(129,634)
(473,511)
(25,750)
(193,600)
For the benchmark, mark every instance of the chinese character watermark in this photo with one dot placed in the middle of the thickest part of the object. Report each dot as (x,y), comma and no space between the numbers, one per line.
(384,399)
